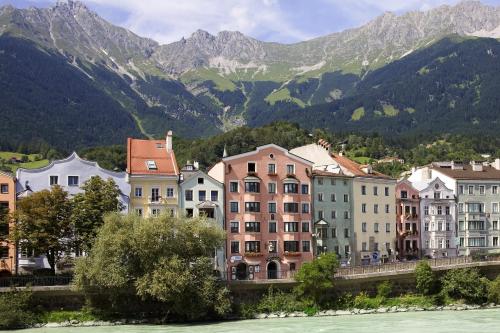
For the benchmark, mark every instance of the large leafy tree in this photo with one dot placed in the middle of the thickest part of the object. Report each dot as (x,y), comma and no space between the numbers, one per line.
(163,260)
(43,223)
(98,198)
(316,278)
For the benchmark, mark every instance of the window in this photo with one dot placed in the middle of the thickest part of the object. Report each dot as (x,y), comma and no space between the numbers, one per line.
(346,214)
(363,208)
(291,227)
(476,241)
(426,210)
(291,246)
(273,247)
(346,233)
(375,190)
(346,197)
(375,246)
(235,227)
(151,165)
(272,227)
(251,167)
(305,189)
(364,247)
(252,226)
(448,226)
(475,225)
(320,197)
(375,227)
(306,246)
(233,187)
(387,209)
(155,211)
(155,194)
(494,189)
(440,210)
(138,192)
(386,190)
(4,251)
(461,242)
(201,180)
(495,225)
(347,250)
(291,207)
(471,190)
(426,243)
(271,207)
(252,187)
(437,195)
(252,207)
(481,190)
(334,232)
(375,208)
(495,241)
(305,208)
(494,207)
(320,181)
(320,215)
(334,214)
(290,188)
(363,227)
(461,225)
(332,182)
(290,169)
(426,226)
(305,226)
(271,188)
(292,266)
(475,207)
(440,226)
(363,190)
(214,195)
(189,212)
(252,246)
(447,210)
(461,189)
(234,206)
(333,198)
(72,180)
(271,169)
(54,180)
(387,227)
(138,211)
(460,207)
(170,192)
(235,247)
(404,194)
(202,195)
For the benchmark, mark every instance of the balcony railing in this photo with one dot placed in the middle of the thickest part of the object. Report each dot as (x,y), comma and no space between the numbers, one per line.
(263,275)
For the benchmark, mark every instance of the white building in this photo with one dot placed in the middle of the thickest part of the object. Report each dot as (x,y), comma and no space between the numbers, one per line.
(69,173)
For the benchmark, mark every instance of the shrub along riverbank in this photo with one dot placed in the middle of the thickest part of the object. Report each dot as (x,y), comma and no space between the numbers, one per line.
(175,283)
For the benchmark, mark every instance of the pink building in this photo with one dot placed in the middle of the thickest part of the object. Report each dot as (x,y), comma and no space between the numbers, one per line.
(407,220)
(268,213)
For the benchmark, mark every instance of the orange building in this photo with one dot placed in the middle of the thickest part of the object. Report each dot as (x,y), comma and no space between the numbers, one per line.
(7,205)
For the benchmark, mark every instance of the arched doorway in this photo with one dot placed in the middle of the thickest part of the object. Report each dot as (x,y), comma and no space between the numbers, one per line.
(241,271)
(272,270)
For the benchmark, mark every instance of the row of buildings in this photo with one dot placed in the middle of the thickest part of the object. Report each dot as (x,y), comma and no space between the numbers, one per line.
(281,208)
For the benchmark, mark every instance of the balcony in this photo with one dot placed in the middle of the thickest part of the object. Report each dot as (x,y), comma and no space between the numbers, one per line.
(292,254)
(253,254)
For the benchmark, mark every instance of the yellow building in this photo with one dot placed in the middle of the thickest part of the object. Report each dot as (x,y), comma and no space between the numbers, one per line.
(153,176)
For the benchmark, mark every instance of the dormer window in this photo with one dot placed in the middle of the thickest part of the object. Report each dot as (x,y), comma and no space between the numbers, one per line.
(159,145)
(151,165)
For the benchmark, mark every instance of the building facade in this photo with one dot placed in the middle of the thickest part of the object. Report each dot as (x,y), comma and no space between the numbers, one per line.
(7,206)
(153,176)
(201,194)
(69,173)
(408,221)
(332,209)
(268,213)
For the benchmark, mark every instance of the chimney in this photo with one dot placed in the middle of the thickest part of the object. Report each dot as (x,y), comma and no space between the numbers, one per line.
(496,164)
(367,169)
(477,166)
(456,165)
(168,141)
(426,173)
(196,165)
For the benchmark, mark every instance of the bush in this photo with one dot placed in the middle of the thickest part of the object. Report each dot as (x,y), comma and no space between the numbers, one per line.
(424,279)
(279,301)
(15,310)
(465,284)
(494,291)
(364,301)
(384,289)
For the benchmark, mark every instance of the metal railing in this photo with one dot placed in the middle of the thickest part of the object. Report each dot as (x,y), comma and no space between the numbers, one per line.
(404,267)
(33,280)
(257,276)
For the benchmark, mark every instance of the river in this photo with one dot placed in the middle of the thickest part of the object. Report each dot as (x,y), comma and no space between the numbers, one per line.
(407,322)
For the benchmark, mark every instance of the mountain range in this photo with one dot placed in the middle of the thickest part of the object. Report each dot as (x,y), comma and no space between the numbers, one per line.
(69,78)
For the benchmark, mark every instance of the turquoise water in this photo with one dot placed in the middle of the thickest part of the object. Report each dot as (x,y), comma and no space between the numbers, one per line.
(470,321)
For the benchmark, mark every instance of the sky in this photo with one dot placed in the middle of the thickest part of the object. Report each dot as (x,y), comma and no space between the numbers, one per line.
(284,21)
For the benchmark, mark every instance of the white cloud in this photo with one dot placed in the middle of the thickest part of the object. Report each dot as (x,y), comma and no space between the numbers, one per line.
(169,20)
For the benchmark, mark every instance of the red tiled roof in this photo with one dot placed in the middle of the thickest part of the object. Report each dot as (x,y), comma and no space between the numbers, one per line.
(140,151)
(355,168)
